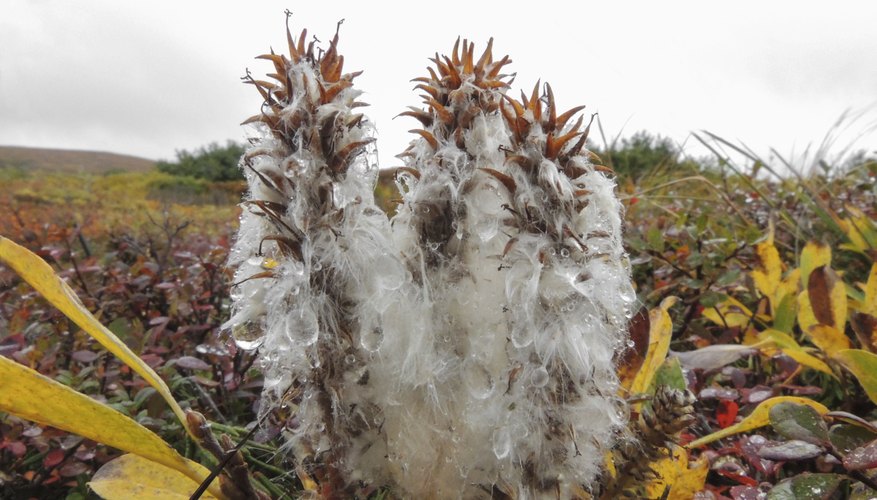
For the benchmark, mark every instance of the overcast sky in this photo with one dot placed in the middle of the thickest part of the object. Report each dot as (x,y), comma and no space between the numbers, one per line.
(148,78)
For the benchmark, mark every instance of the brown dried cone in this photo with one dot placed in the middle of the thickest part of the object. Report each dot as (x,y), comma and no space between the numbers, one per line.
(654,435)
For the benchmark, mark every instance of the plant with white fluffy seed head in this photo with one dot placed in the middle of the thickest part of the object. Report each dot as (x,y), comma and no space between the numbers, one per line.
(465,347)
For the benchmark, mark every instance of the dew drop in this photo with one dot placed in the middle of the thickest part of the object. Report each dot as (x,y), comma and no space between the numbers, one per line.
(302,326)
(539,377)
(479,382)
(254,260)
(486,227)
(390,274)
(502,443)
(521,335)
(372,339)
(247,335)
(564,253)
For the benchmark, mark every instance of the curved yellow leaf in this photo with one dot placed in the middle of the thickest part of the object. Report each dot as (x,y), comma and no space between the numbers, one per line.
(32,396)
(759,417)
(863,365)
(40,275)
(131,476)
(660,331)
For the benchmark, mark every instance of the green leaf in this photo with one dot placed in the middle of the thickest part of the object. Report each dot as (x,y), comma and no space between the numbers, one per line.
(669,374)
(655,239)
(131,476)
(799,422)
(27,394)
(40,275)
(806,486)
(863,365)
(846,438)
(786,313)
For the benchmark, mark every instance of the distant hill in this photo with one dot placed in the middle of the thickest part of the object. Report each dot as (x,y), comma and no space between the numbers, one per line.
(65,160)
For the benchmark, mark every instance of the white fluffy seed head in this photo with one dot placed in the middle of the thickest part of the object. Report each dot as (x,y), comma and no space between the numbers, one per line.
(468,344)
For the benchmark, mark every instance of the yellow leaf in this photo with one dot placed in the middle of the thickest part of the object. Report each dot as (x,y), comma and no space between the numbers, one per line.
(823,301)
(683,478)
(828,338)
(27,394)
(40,275)
(870,302)
(863,365)
(769,273)
(814,255)
(759,417)
(131,476)
(860,229)
(660,331)
(730,312)
(785,343)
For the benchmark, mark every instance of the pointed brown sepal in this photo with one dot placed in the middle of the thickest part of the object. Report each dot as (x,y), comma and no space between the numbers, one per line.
(413,171)
(505,179)
(418,114)
(427,136)
(340,159)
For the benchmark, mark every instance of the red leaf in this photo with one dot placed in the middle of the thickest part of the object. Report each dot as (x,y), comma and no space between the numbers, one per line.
(53,458)
(726,413)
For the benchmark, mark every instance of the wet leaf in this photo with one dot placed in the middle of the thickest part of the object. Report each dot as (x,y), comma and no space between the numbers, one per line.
(40,275)
(130,476)
(798,422)
(660,332)
(806,486)
(759,417)
(632,359)
(863,365)
(846,438)
(32,396)
(790,450)
(862,458)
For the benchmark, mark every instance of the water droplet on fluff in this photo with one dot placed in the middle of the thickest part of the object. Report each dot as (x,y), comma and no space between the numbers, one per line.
(302,326)
(540,377)
(372,339)
(478,380)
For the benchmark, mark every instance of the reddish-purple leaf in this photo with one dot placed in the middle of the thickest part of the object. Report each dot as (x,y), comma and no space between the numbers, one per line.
(862,458)
(746,493)
(53,458)
(74,469)
(192,363)
(84,356)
